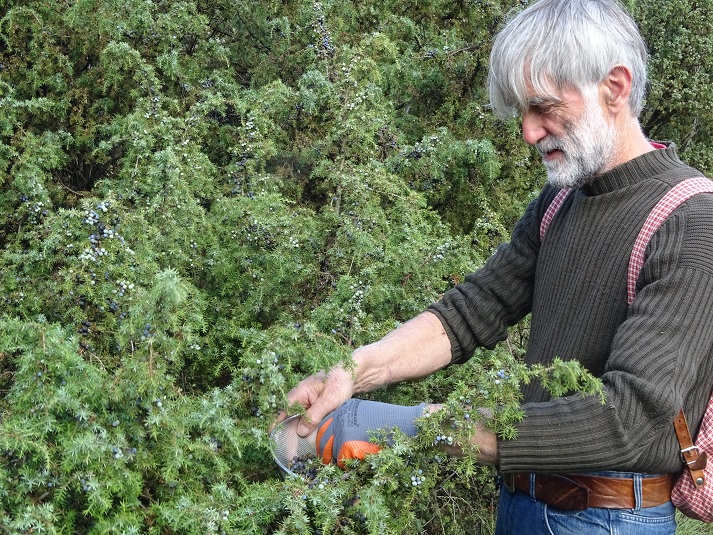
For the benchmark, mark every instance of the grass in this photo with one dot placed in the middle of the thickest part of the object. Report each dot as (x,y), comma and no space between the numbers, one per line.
(688,526)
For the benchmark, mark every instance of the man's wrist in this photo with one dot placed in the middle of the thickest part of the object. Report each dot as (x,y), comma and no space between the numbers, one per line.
(365,373)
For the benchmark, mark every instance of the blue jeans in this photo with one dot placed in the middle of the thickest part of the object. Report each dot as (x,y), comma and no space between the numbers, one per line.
(519,514)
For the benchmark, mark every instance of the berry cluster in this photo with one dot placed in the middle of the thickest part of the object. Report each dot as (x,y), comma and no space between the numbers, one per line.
(37,211)
(267,368)
(260,235)
(146,334)
(86,484)
(247,150)
(215,444)
(113,305)
(443,439)
(118,453)
(357,101)
(358,290)
(417,152)
(326,48)
(441,251)
(304,465)
(84,330)
(500,376)
(357,516)
(417,479)
(95,251)
(124,286)
(364,225)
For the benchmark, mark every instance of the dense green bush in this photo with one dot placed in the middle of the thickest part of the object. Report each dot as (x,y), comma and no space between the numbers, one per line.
(202,202)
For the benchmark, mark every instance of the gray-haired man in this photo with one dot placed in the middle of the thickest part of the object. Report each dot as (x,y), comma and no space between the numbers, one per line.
(575,71)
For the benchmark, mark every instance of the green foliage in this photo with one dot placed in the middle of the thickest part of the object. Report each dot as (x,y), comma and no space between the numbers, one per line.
(92,450)
(680,38)
(201,202)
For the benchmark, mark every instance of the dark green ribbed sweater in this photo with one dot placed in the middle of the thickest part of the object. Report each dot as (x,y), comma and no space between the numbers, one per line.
(653,357)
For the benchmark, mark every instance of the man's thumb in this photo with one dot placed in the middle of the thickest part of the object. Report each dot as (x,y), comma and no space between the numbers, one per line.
(307,424)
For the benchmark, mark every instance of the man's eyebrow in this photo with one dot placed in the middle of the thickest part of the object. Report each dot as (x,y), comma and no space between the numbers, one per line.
(544,101)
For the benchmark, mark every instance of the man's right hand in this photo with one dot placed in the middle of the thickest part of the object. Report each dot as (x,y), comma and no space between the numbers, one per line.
(413,350)
(321,394)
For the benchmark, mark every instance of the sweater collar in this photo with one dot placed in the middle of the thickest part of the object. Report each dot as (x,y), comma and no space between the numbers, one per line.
(634,171)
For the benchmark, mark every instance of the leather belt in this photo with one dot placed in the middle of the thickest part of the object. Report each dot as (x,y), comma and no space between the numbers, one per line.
(577,492)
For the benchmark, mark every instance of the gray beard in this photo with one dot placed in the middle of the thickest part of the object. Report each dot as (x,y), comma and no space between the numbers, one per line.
(588,148)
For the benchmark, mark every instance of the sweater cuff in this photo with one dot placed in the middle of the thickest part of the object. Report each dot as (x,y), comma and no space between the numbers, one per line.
(457,355)
(556,438)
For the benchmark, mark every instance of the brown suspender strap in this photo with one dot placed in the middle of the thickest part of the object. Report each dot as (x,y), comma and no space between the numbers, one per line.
(695,460)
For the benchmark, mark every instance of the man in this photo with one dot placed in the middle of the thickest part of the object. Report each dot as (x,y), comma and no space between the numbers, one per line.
(575,70)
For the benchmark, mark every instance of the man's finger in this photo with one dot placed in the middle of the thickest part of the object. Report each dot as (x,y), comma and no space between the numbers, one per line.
(307,423)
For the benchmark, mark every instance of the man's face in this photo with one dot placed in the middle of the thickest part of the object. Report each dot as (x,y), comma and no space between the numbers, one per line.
(572,135)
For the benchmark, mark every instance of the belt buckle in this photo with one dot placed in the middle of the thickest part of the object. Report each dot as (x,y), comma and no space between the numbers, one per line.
(686,451)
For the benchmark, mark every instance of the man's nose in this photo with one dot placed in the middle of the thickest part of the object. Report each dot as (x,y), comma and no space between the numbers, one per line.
(533,129)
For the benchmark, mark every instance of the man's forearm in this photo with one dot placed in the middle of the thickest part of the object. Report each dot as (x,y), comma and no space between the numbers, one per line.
(415,349)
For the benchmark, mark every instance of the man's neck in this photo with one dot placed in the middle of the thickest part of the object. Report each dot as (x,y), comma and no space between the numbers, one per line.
(631,143)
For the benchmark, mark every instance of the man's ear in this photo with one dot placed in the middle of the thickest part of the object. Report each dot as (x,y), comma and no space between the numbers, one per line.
(617,88)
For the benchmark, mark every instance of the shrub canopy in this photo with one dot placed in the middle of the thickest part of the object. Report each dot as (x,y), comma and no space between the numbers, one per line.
(202,202)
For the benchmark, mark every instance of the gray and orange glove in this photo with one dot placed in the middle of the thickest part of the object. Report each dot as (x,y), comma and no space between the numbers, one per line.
(344,433)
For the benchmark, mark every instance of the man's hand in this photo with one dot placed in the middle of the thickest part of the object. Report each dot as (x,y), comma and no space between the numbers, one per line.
(321,394)
(415,349)
(344,434)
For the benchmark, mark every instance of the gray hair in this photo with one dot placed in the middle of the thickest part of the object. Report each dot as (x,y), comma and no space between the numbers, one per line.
(564,43)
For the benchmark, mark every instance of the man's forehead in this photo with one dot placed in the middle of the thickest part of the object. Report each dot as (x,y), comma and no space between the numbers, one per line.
(541,89)
(544,92)
(539,99)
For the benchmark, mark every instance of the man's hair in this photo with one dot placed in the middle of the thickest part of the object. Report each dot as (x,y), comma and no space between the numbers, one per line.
(564,43)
